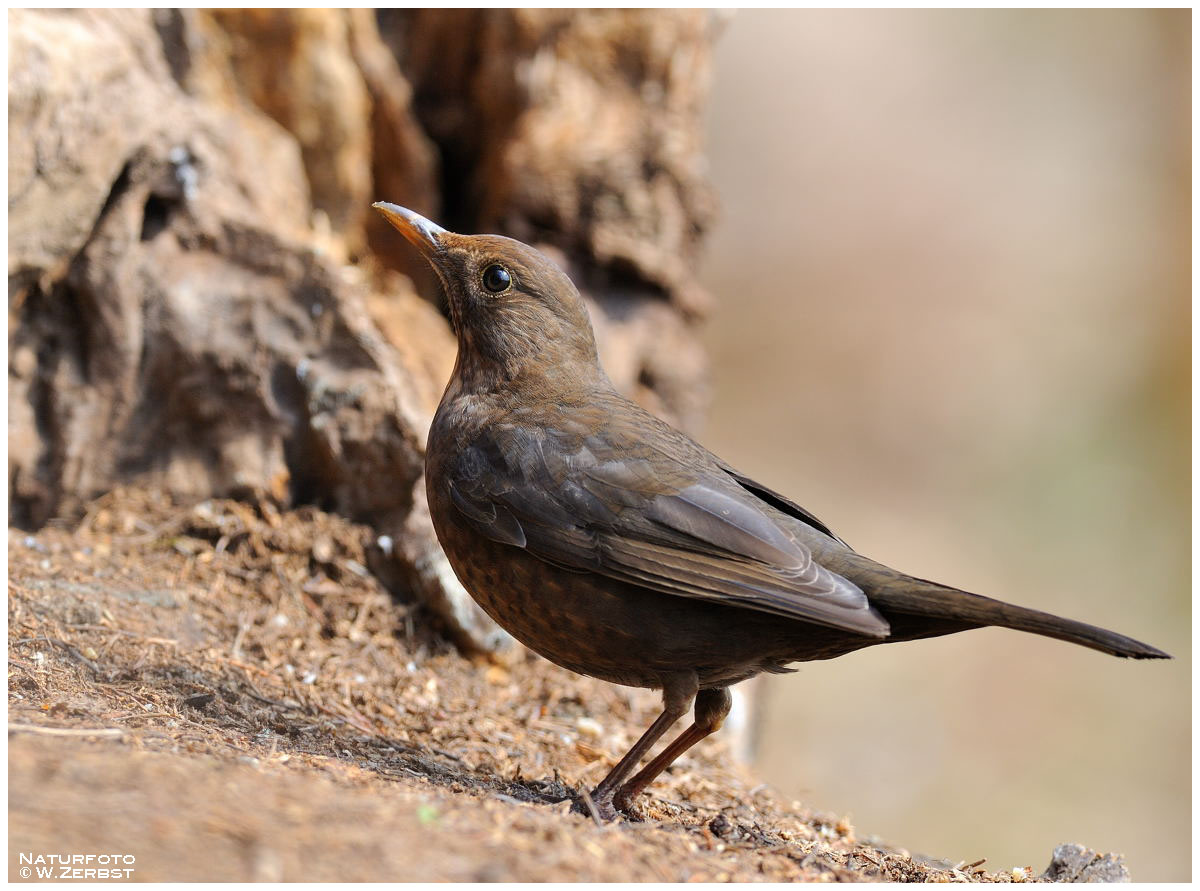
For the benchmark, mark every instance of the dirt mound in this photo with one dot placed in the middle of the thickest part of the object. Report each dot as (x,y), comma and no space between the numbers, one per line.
(225,692)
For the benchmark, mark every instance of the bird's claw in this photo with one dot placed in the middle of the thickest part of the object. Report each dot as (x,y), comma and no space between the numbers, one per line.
(599,807)
(605,807)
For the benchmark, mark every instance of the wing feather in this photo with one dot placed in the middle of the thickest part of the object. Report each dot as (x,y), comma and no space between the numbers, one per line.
(681,532)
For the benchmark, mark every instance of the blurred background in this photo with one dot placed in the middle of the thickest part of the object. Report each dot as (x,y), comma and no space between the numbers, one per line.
(951,275)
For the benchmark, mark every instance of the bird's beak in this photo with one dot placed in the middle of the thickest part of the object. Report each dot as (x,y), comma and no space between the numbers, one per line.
(423,234)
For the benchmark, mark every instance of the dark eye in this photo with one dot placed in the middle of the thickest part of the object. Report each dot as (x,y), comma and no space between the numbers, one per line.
(496,278)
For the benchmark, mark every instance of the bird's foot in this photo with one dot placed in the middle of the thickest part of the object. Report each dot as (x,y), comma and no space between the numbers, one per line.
(604,806)
(623,802)
(595,804)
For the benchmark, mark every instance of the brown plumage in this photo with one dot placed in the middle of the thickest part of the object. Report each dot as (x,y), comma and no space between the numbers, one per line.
(617,547)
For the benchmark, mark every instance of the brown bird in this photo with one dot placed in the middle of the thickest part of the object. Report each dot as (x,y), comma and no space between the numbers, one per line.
(615,546)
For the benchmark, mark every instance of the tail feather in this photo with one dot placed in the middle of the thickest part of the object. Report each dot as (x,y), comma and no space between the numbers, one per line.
(893,592)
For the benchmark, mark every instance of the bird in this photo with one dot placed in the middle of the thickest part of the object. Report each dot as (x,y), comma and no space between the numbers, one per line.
(617,547)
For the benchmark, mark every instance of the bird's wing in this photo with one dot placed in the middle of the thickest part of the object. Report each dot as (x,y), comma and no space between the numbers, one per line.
(639,516)
(780,502)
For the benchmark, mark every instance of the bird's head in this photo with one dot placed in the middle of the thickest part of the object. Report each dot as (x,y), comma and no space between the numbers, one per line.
(513,310)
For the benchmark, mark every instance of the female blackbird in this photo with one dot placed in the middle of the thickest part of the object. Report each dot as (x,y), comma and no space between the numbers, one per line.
(614,545)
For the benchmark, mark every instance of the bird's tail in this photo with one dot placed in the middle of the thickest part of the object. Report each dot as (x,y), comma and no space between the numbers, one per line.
(895,593)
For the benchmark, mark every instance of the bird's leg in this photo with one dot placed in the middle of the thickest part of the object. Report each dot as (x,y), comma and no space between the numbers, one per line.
(711,708)
(678,693)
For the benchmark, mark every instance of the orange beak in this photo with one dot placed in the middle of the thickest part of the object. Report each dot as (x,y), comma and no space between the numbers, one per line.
(423,234)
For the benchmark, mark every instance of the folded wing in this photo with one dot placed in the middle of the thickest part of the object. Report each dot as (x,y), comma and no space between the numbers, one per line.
(622,513)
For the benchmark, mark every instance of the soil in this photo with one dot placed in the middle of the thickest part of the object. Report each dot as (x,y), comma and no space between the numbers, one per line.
(224,692)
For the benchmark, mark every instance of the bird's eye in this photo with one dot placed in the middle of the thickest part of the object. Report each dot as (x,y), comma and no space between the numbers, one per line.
(496,278)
